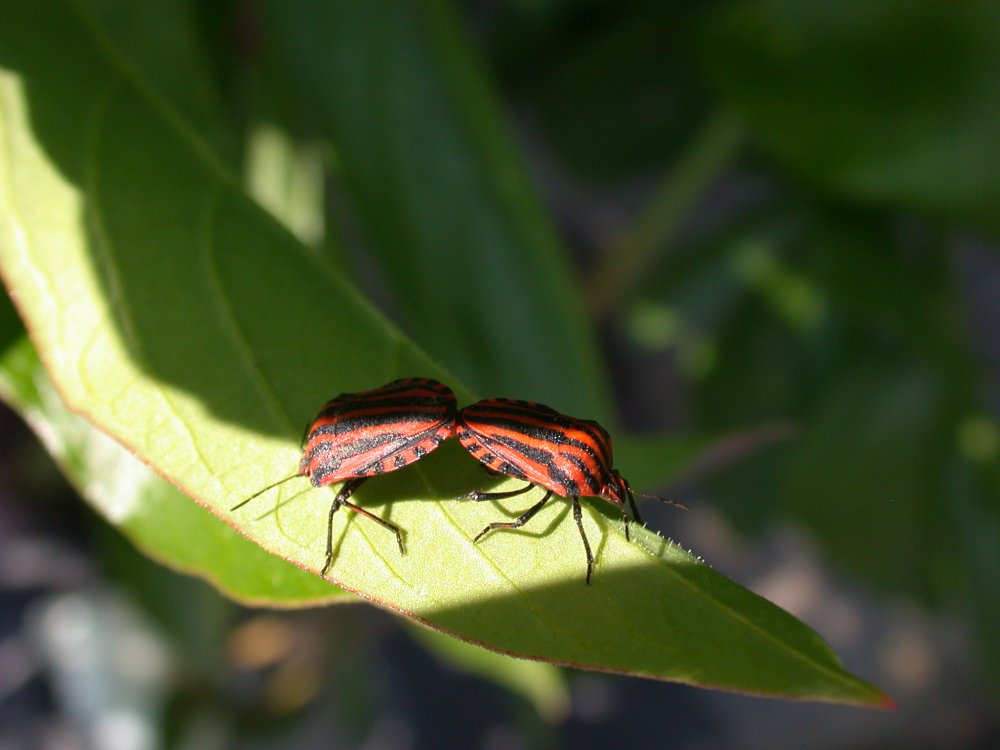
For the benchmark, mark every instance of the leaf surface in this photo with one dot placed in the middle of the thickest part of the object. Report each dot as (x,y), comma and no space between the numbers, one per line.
(837,94)
(179,318)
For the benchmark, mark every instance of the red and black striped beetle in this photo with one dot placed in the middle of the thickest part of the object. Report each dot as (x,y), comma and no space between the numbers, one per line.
(357,436)
(563,455)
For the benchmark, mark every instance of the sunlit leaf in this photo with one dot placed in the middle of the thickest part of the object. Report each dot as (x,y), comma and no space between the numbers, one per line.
(179,318)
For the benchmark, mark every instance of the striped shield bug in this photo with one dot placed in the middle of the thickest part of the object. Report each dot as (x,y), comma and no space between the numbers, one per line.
(357,436)
(563,455)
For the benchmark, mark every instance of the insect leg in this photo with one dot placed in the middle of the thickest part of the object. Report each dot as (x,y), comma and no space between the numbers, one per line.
(635,514)
(635,511)
(341,499)
(578,516)
(517,523)
(478,496)
(625,488)
(380,521)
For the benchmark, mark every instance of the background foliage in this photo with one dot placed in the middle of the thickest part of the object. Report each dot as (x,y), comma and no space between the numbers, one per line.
(770,213)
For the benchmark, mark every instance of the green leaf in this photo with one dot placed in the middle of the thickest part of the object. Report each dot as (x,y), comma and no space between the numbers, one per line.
(159,39)
(180,319)
(443,200)
(891,102)
(615,96)
(11,329)
(153,514)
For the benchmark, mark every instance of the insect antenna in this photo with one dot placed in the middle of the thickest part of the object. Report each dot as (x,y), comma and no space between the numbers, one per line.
(664,500)
(632,494)
(241,503)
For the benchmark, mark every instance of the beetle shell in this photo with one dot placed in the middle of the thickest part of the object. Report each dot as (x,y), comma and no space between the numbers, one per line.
(533,442)
(374,432)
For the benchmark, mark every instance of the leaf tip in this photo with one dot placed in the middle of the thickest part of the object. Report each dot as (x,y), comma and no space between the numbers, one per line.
(885,703)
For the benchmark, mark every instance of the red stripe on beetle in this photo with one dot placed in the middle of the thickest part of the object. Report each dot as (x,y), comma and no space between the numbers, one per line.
(378,431)
(357,436)
(564,455)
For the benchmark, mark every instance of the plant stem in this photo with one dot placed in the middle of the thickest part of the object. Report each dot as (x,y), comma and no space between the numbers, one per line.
(625,260)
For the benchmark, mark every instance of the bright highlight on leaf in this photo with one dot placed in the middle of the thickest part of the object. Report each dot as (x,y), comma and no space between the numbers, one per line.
(177,317)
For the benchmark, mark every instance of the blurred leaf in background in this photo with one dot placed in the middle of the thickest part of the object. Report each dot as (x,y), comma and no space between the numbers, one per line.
(847,306)
(423,155)
(893,104)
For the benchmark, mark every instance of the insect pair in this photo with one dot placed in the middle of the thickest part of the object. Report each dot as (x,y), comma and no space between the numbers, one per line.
(357,436)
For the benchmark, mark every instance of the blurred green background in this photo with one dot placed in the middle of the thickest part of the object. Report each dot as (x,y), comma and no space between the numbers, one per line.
(770,218)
